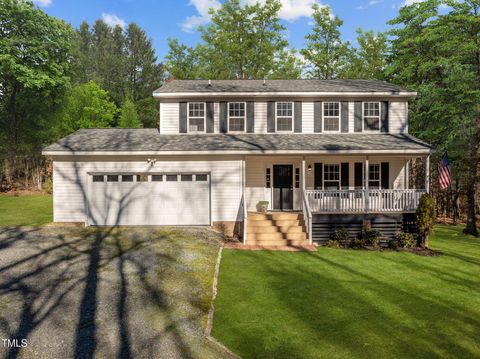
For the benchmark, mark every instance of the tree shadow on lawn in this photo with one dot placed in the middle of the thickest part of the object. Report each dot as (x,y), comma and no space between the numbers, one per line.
(104,278)
(347,311)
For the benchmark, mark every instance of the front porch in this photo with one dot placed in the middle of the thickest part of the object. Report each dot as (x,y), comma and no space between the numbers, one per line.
(347,186)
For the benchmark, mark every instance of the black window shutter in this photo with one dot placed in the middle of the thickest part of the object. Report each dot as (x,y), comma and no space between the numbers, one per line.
(297,116)
(250,117)
(271,116)
(317,116)
(344,175)
(209,116)
(182,117)
(384,116)
(318,176)
(223,117)
(344,116)
(358,175)
(358,116)
(385,172)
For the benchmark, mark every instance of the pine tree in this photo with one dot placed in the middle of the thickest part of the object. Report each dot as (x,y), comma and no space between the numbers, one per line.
(128,116)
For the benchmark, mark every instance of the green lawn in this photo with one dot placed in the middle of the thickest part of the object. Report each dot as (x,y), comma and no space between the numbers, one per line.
(28,210)
(352,303)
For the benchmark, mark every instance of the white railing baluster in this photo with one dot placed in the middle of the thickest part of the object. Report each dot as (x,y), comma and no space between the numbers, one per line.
(350,201)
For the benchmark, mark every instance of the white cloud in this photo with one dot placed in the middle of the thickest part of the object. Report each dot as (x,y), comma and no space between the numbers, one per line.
(291,10)
(43,3)
(202,6)
(370,3)
(411,2)
(113,20)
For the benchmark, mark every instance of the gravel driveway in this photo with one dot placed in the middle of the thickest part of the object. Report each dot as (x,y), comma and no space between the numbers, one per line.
(124,293)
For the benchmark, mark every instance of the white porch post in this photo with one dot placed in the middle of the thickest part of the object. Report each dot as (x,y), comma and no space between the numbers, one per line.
(406,170)
(367,198)
(303,176)
(427,174)
(244,203)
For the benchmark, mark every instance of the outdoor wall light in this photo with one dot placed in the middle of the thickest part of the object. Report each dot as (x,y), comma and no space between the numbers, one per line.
(309,169)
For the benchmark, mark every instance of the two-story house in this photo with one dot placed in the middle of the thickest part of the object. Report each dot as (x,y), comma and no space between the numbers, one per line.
(324,154)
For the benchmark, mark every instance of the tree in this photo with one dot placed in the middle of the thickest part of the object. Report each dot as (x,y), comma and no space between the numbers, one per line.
(425,218)
(85,106)
(32,77)
(439,56)
(369,59)
(242,42)
(128,116)
(325,52)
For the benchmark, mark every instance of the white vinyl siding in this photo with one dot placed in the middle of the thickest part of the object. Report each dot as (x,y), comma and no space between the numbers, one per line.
(398,117)
(260,117)
(70,188)
(307,117)
(351,117)
(169,118)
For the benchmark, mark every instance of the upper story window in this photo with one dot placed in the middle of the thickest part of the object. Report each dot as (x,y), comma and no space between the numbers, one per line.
(374,176)
(284,118)
(331,116)
(331,178)
(371,116)
(196,117)
(236,116)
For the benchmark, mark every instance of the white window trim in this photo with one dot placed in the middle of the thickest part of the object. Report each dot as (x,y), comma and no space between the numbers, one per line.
(379,117)
(379,174)
(293,116)
(204,117)
(339,116)
(339,176)
(244,117)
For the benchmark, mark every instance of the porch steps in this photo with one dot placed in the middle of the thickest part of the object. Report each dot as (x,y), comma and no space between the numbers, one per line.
(276,229)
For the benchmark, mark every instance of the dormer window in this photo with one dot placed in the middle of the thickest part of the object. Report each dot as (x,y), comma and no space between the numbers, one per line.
(236,117)
(371,116)
(196,117)
(331,116)
(284,118)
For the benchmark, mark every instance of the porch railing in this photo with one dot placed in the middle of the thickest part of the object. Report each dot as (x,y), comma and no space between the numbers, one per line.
(307,215)
(362,200)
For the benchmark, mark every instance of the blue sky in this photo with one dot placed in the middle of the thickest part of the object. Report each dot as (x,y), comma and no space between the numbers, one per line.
(162,19)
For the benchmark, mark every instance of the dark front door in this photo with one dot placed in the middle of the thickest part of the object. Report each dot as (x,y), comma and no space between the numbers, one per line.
(282,187)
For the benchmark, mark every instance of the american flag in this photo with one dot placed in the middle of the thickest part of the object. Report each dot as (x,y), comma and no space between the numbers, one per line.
(444,172)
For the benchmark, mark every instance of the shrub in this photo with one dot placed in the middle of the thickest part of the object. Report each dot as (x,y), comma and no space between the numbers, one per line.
(339,239)
(404,240)
(425,218)
(48,186)
(368,237)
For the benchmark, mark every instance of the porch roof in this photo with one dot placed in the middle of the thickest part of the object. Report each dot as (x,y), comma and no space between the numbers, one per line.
(148,141)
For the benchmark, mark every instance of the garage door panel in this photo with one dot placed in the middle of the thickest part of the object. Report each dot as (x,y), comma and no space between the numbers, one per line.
(150,203)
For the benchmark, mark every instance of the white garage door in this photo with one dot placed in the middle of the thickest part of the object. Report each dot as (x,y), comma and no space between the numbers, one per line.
(149,199)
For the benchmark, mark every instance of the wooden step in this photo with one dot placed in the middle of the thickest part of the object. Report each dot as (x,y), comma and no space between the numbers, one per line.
(280,223)
(276,216)
(276,236)
(275,229)
(277,242)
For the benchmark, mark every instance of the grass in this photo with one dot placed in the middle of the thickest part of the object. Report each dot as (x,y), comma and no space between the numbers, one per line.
(26,210)
(352,303)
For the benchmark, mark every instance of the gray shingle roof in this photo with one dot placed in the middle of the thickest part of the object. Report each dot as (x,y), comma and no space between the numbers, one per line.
(192,86)
(149,140)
